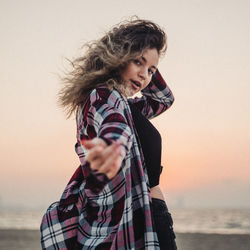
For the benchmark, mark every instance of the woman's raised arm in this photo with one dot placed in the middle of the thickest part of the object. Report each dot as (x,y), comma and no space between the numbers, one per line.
(156,97)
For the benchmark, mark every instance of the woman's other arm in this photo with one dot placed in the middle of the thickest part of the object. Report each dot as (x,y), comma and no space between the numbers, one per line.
(156,97)
(104,158)
(102,121)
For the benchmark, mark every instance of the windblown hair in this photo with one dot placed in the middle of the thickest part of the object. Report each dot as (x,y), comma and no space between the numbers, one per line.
(105,59)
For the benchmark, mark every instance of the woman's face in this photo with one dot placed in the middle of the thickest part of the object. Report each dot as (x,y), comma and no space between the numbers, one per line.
(138,73)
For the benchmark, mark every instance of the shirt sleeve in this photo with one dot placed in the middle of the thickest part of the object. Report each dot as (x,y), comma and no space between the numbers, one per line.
(156,97)
(105,119)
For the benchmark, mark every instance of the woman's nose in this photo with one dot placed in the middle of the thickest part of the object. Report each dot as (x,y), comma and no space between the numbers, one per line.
(143,73)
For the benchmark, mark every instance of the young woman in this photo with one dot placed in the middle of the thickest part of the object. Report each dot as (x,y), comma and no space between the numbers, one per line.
(113,200)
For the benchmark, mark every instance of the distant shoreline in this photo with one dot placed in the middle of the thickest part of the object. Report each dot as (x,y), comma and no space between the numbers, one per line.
(204,221)
(15,239)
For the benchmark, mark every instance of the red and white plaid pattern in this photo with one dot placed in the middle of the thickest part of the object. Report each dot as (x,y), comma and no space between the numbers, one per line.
(95,212)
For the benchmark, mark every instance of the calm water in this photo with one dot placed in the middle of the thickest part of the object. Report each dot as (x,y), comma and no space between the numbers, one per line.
(223,221)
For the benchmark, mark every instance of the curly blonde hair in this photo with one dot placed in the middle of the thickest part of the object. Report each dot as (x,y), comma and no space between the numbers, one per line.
(105,59)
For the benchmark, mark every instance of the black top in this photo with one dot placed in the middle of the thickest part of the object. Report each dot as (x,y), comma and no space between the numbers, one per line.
(150,140)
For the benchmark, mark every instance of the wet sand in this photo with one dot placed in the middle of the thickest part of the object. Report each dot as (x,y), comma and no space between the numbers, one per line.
(30,240)
(195,241)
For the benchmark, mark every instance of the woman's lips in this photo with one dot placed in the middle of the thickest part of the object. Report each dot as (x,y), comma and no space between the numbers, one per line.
(136,84)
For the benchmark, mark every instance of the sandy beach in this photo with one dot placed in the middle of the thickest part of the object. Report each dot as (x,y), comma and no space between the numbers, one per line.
(30,240)
(191,241)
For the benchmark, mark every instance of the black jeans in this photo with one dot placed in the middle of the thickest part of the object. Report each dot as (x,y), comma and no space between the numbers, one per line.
(163,224)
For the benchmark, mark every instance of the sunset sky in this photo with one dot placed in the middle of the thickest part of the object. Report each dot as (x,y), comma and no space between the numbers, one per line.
(206,133)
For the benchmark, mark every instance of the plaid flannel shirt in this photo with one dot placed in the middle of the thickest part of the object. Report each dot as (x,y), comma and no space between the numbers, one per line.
(95,212)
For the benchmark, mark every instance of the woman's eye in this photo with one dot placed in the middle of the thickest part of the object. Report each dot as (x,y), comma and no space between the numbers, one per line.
(136,61)
(151,72)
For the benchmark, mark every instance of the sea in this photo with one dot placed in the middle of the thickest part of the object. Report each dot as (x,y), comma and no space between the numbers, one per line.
(186,220)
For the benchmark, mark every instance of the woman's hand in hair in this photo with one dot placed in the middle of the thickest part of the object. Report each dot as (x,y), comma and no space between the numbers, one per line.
(104,158)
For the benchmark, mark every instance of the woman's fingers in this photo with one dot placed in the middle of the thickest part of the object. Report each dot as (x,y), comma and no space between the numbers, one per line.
(88,144)
(112,164)
(113,170)
(111,155)
(94,153)
(99,152)
(106,161)
(103,158)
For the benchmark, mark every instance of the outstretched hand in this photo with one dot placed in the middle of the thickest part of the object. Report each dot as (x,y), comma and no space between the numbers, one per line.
(104,158)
